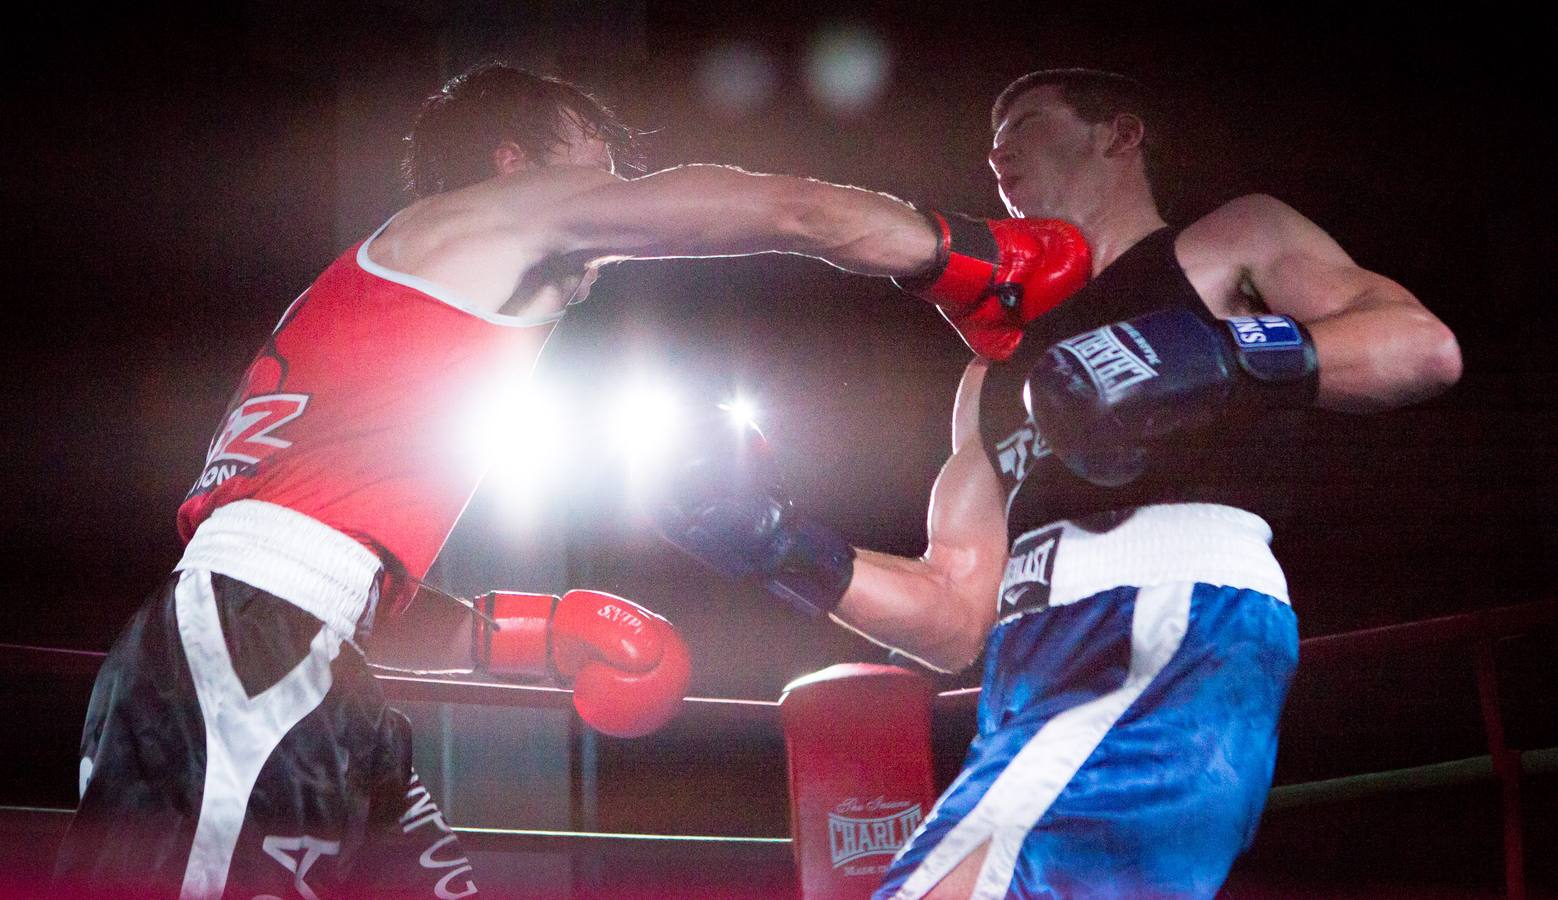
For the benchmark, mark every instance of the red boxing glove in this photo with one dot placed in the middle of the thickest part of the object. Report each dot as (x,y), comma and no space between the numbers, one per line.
(628,667)
(991,277)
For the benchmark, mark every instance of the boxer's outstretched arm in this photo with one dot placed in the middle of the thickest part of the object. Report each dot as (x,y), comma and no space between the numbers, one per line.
(1378,346)
(707,210)
(726,509)
(940,607)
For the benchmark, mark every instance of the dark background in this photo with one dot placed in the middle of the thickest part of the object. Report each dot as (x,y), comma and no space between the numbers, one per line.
(174,177)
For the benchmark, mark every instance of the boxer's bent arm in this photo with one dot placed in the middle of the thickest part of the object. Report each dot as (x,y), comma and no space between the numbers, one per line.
(1381,350)
(704,210)
(940,607)
(1378,346)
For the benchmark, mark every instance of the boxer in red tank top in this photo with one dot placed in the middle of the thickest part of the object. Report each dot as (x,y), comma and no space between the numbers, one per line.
(236,740)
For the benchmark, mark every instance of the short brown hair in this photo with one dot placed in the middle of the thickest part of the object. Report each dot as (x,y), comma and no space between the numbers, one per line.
(451,143)
(1097,95)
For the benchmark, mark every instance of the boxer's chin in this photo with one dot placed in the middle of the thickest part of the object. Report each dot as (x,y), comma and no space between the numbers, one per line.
(1020,205)
(1013,208)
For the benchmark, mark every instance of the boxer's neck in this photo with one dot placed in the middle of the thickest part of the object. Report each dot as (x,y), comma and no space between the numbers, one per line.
(1117,230)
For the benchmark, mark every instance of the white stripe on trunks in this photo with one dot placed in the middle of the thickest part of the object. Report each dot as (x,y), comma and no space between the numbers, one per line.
(241,731)
(1024,791)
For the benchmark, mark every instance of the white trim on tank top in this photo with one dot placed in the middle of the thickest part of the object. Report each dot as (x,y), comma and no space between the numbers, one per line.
(442,294)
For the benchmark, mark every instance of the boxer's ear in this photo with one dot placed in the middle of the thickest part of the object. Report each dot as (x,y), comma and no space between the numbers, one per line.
(1128,131)
(508,158)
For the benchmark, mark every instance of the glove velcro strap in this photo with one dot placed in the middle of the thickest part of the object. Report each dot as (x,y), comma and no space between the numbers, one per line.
(1277,356)
(963,270)
(515,627)
(923,279)
(967,236)
(810,568)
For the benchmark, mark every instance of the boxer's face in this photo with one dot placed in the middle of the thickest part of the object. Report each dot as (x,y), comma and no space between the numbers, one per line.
(1044,156)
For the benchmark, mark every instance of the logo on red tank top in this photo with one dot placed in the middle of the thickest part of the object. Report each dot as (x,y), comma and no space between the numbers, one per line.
(245,439)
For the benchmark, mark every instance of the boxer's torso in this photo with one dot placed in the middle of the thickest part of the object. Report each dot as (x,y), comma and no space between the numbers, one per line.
(371,408)
(1230,466)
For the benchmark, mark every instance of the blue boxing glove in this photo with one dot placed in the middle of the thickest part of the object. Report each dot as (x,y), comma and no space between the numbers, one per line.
(724,507)
(1102,397)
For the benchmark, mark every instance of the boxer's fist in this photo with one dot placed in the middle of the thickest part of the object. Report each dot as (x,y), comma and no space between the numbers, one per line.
(1102,397)
(724,507)
(628,667)
(992,277)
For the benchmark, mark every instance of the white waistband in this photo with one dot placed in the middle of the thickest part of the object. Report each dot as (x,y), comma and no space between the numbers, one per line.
(283,552)
(1179,542)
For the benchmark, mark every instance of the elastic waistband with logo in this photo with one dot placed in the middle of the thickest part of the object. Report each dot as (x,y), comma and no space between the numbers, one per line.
(288,554)
(1066,561)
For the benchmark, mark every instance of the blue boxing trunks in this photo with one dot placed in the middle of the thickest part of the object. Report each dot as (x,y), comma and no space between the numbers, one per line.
(1128,721)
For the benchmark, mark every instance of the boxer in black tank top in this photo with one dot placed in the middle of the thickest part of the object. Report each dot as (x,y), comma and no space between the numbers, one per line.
(1206,467)
(1136,632)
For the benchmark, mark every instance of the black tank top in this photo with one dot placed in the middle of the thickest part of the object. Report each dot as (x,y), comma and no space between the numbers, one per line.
(1234,465)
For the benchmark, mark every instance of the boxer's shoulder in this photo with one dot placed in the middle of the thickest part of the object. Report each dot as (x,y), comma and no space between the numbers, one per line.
(1230,230)
(1251,209)
(515,206)
(1248,230)
(526,208)
(528,195)
(1219,251)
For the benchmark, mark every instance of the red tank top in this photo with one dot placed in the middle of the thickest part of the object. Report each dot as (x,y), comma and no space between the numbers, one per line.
(366,410)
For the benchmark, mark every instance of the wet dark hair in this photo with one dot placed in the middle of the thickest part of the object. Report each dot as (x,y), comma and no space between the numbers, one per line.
(451,143)
(1098,96)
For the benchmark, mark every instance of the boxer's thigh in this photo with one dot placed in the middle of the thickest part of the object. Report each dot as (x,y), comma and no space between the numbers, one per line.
(1174,792)
(988,758)
(338,810)
(142,764)
(413,851)
(1146,786)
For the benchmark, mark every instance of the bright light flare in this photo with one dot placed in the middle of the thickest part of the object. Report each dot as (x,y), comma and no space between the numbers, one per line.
(645,423)
(526,440)
(741,410)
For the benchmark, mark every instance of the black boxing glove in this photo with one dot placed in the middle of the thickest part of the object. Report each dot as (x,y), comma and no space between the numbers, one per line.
(724,507)
(1101,397)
